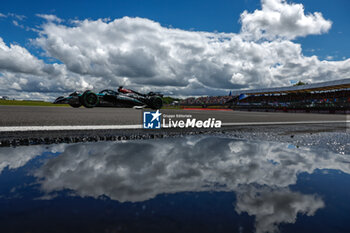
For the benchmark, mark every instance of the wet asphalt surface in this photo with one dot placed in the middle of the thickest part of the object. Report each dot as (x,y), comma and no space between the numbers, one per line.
(330,135)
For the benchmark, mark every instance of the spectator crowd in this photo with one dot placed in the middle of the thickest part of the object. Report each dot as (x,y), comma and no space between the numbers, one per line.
(208,100)
(338,97)
(300,98)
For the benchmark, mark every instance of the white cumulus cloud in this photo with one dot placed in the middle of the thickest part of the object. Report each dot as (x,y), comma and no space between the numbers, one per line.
(51,18)
(17,59)
(142,54)
(279,19)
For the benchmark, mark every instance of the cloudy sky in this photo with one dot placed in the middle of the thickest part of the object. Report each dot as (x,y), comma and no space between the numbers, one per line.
(180,48)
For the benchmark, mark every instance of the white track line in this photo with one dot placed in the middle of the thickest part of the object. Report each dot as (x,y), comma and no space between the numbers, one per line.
(66,127)
(109,127)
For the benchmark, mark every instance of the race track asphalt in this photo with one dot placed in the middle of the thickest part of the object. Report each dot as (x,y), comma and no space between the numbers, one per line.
(50,116)
(54,119)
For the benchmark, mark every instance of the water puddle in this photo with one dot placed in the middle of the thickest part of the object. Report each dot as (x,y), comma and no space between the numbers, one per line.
(188,184)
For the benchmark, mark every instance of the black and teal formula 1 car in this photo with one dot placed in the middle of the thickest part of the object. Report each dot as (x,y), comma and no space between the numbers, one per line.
(110,98)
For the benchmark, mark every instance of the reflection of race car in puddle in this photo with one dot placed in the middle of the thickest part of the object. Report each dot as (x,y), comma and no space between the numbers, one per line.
(109,98)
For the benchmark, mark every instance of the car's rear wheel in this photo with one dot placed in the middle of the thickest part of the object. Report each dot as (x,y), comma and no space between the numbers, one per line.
(156,102)
(89,99)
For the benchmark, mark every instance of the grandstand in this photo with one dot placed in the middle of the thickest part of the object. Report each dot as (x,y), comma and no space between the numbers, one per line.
(332,96)
(316,87)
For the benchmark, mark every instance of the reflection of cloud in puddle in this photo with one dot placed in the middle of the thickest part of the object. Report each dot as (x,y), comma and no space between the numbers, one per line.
(274,206)
(140,170)
(17,157)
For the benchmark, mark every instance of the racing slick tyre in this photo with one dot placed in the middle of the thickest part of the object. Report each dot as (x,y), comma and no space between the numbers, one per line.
(89,99)
(75,105)
(156,102)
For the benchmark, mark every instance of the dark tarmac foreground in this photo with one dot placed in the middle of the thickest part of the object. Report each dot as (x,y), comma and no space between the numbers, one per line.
(300,133)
